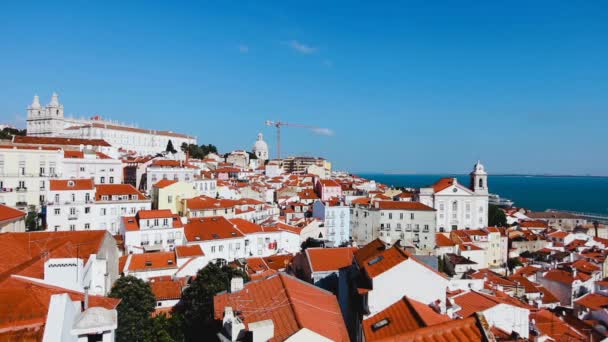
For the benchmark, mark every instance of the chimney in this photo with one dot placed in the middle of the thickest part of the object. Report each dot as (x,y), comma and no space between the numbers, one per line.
(236,284)
(232,324)
(262,331)
(86,297)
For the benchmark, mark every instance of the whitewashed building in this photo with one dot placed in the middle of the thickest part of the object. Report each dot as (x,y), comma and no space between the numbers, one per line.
(458,206)
(50,121)
(152,231)
(336,218)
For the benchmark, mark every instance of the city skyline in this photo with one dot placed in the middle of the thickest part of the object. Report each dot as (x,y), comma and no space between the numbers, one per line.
(406,89)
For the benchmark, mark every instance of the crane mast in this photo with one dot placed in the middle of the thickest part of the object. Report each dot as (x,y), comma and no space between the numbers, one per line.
(278,125)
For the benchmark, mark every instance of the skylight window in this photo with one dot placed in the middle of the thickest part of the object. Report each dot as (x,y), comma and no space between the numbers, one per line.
(375,260)
(381,324)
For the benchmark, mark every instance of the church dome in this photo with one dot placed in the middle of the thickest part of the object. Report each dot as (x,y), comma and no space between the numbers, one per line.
(260,148)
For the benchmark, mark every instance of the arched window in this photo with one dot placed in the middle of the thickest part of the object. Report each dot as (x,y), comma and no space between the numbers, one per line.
(481,182)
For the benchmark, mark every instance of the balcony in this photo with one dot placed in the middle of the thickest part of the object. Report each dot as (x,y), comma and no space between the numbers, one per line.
(21,204)
(72,216)
(21,189)
(4,190)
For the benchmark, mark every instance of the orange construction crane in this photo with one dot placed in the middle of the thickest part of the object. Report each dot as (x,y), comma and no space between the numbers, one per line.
(279,124)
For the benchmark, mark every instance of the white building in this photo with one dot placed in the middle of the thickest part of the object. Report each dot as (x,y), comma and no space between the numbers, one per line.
(25,172)
(411,222)
(90,164)
(171,170)
(336,218)
(260,149)
(152,230)
(79,204)
(459,207)
(50,121)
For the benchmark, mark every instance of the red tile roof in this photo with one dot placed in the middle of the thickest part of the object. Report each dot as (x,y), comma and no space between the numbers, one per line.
(189,251)
(25,303)
(401,205)
(166,288)
(71,184)
(290,303)
(163,183)
(151,261)
(330,259)
(7,213)
(117,189)
(554,327)
(206,203)
(25,253)
(459,330)
(210,228)
(404,316)
(246,227)
(59,141)
(593,301)
(443,241)
(564,277)
(443,183)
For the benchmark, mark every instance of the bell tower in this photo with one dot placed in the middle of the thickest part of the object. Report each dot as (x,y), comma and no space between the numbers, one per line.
(479,179)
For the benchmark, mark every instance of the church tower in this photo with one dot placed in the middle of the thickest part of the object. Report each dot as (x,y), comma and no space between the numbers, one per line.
(479,179)
(47,121)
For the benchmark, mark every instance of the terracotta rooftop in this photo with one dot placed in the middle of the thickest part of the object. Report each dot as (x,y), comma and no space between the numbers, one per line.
(71,184)
(210,228)
(330,259)
(401,205)
(166,288)
(150,261)
(8,213)
(117,189)
(404,316)
(187,251)
(290,303)
(163,183)
(459,330)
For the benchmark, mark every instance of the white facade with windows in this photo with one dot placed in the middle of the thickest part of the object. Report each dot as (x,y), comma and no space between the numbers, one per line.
(336,218)
(50,121)
(390,223)
(157,171)
(459,207)
(92,165)
(152,230)
(25,172)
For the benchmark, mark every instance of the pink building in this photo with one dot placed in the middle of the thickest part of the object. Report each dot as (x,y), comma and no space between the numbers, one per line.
(328,188)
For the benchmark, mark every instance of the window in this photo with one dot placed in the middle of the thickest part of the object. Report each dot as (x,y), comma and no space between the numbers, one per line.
(103,211)
(380,324)
(221,248)
(82,169)
(102,179)
(57,211)
(73,197)
(111,180)
(56,198)
(454,206)
(169,199)
(412,216)
(87,197)
(87,226)
(401,216)
(72,227)
(72,211)
(390,216)
(87,210)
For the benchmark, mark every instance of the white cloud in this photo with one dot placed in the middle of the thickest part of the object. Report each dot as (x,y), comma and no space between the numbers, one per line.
(243,48)
(302,48)
(323,131)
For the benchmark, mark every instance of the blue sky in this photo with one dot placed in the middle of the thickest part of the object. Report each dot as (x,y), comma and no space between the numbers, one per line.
(408,87)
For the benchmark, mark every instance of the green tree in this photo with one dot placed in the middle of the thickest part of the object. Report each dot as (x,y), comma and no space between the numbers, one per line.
(196,308)
(170,147)
(496,217)
(8,132)
(32,220)
(136,305)
(198,152)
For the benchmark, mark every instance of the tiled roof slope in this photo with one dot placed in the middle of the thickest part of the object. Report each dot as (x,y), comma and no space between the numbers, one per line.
(291,304)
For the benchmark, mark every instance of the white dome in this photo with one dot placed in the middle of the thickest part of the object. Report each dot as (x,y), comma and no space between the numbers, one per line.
(260,148)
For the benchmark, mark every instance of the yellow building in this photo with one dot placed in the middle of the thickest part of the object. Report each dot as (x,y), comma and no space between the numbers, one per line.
(167,194)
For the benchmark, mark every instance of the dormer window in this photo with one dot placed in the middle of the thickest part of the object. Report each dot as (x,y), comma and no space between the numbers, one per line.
(381,324)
